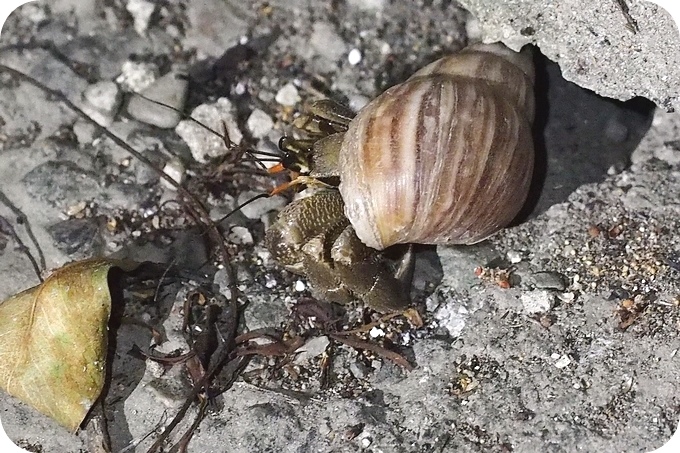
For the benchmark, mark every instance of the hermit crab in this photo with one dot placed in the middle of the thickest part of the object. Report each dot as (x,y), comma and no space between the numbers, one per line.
(445,157)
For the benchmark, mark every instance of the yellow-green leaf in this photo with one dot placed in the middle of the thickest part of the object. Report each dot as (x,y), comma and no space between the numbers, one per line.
(53,341)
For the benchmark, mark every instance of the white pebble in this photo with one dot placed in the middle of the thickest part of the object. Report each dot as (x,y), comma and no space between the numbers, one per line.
(259,123)
(270,282)
(141,12)
(240,235)
(288,95)
(376,332)
(534,302)
(175,169)
(300,286)
(136,76)
(514,256)
(354,57)
(566,297)
(563,362)
(240,88)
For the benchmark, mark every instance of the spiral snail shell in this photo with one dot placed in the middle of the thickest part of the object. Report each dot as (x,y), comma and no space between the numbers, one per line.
(445,157)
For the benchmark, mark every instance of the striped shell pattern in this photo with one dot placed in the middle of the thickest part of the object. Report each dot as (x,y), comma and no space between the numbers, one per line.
(445,157)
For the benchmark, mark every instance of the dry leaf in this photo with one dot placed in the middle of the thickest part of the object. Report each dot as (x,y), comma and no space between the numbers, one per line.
(53,341)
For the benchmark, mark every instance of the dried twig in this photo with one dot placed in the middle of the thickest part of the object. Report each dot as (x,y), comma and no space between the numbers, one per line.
(358,343)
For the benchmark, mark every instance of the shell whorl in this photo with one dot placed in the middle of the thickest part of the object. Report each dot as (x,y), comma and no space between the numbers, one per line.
(445,157)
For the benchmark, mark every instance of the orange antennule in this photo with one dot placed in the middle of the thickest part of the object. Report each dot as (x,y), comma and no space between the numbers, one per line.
(278,168)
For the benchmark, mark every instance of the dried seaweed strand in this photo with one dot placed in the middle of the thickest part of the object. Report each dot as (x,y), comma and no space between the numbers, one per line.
(21,218)
(199,213)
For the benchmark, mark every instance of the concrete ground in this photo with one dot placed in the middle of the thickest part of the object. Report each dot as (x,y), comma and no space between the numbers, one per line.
(579,354)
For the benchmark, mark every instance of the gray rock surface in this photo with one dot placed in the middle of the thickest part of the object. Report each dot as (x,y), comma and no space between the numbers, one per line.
(596,44)
(579,355)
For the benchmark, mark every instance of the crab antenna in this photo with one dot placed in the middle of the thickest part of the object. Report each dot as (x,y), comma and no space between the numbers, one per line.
(266,153)
(239,207)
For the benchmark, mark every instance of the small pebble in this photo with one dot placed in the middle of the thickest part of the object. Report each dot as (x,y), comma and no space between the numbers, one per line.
(240,88)
(357,101)
(243,274)
(563,362)
(222,281)
(102,102)
(270,282)
(376,332)
(358,370)
(300,286)
(84,131)
(288,95)
(135,76)
(566,297)
(171,90)
(259,123)
(203,144)
(76,208)
(354,57)
(240,235)
(175,169)
(141,12)
(104,96)
(514,256)
(548,280)
(616,168)
(535,302)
